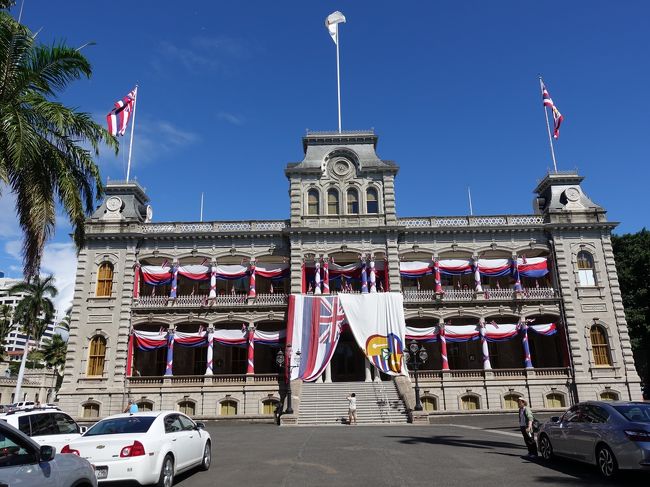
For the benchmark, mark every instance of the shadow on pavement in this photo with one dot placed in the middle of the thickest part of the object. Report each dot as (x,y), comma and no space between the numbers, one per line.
(455,441)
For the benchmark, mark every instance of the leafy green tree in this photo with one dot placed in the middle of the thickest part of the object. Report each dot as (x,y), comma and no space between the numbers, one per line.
(33,312)
(64,324)
(5,326)
(46,148)
(632,253)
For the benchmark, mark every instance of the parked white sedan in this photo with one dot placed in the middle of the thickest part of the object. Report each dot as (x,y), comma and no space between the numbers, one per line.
(148,447)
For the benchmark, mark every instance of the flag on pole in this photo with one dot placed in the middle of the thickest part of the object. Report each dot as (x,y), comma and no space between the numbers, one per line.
(119,116)
(332,23)
(557,116)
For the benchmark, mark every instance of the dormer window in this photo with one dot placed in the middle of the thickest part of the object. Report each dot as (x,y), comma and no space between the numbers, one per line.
(372,201)
(332,202)
(313,207)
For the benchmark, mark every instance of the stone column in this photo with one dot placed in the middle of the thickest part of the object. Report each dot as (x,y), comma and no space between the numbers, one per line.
(328,372)
(129,354)
(528,363)
(484,346)
(252,293)
(317,289)
(173,291)
(443,345)
(364,277)
(373,276)
(136,280)
(210,354)
(326,275)
(368,368)
(250,367)
(169,368)
(213,281)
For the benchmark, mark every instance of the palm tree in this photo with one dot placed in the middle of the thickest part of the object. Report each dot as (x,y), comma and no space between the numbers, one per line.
(34,311)
(5,326)
(54,351)
(64,324)
(46,148)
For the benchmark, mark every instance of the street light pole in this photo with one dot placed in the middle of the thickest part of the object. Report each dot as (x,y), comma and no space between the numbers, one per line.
(417,355)
(280,360)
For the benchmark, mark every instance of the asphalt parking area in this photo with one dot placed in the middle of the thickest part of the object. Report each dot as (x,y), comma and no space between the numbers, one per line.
(486,453)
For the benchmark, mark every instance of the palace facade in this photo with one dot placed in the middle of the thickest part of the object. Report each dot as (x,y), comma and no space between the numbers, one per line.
(191,315)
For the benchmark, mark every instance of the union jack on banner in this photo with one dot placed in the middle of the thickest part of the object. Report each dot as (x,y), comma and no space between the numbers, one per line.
(314,328)
(119,116)
(557,116)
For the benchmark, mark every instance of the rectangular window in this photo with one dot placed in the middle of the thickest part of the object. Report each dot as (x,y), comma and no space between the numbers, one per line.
(586,277)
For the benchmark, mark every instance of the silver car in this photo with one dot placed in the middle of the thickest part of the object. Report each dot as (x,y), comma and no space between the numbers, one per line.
(26,463)
(611,435)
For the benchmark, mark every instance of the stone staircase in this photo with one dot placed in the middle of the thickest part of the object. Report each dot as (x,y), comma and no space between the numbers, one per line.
(326,403)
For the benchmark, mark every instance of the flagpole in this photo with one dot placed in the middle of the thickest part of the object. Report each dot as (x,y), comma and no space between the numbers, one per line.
(135,102)
(548,127)
(338,75)
(201,206)
(469,196)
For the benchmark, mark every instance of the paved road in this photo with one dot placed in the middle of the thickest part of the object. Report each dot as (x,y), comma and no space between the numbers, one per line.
(455,451)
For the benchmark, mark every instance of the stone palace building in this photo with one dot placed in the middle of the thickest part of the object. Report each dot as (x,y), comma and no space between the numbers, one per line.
(190,315)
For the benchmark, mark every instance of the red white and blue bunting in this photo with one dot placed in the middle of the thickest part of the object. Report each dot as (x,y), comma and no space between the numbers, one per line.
(534,267)
(163,275)
(146,340)
(462,333)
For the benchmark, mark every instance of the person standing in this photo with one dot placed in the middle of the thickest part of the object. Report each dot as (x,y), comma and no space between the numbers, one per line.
(132,408)
(352,408)
(526,426)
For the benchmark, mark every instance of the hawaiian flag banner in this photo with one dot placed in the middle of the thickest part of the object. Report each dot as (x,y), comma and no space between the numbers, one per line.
(156,275)
(272,271)
(547,329)
(455,267)
(377,323)
(148,340)
(557,116)
(494,267)
(428,334)
(119,116)
(533,267)
(313,329)
(195,272)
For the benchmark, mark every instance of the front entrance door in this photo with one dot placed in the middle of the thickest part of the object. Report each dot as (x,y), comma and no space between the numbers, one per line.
(348,362)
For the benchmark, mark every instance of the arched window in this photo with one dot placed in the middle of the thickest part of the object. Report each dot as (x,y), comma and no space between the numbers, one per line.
(313,206)
(372,201)
(145,406)
(269,405)
(555,400)
(586,273)
(90,410)
(510,401)
(608,396)
(228,408)
(429,403)
(600,346)
(96,356)
(470,403)
(353,202)
(332,202)
(187,407)
(105,280)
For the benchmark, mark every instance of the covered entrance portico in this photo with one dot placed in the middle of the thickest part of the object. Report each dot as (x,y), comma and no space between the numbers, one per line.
(348,363)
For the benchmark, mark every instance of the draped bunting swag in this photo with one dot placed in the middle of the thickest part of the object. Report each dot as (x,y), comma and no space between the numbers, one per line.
(364,277)
(532,267)
(251,281)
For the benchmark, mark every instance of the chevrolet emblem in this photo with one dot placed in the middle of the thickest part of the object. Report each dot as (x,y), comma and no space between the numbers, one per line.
(99,447)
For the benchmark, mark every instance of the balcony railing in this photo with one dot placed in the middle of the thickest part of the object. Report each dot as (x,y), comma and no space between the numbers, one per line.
(184,380)
(428,295)
(492,374)
(202,301)
(213,227)
(471,221)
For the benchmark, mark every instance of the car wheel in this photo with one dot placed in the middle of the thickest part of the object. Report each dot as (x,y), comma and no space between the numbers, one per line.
(545,448)
(166,478)
(606,462)
(207,457)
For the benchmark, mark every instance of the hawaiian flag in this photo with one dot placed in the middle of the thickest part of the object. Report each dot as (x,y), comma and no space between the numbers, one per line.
(119,116)
(557,116)
(313,329)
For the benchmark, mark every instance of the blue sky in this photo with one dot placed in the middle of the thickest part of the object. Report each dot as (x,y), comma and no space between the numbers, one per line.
(227,89)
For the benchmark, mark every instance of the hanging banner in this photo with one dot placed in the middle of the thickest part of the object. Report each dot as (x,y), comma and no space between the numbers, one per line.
(377,323)
(313,329)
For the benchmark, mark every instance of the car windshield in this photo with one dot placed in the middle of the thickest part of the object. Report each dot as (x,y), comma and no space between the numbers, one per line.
(639,413)
(117,426)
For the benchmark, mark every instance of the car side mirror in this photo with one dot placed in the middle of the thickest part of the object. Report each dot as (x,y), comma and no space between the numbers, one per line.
(200,426)
(83,429)
(555,419)
(47,453)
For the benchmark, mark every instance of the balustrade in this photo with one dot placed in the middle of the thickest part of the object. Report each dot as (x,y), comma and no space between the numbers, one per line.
(202,300)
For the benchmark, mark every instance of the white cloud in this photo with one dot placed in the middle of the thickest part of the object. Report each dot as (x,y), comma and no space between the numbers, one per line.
(60,260)
(231,118)
(202,53)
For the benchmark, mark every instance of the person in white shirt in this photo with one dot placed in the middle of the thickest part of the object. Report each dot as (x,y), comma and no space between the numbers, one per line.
(352,408)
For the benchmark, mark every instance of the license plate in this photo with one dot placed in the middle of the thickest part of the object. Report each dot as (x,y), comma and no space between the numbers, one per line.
(101,472)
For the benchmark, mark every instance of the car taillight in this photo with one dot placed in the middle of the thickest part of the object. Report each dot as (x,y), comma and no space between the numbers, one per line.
(636,435)
(67,449)
(134,450)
